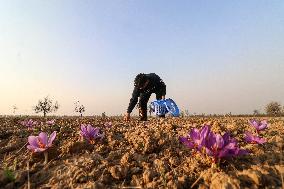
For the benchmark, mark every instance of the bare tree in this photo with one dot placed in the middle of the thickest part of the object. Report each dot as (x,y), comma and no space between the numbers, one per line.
(46,106)
(103,115)
(14,109)
(186,112)
(182,113)
(273,108)
(256,112)
(79,108)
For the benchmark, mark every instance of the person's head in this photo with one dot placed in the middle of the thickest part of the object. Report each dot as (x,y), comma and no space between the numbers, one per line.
(141,81)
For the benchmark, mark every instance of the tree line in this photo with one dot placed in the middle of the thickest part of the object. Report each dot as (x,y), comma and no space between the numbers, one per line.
(46,105)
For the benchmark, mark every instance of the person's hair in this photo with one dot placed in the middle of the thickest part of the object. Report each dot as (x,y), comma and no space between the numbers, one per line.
(140,80)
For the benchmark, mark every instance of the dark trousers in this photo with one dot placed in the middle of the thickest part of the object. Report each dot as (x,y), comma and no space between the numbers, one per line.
(143,100)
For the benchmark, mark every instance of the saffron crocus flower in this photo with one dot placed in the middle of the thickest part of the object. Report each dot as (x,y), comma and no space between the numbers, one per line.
(108,124)
(41,142)
(29,123)
(250,138)
(51,122)
(219,146)
(214,145)
(90,133)
(196,138)
(259,126)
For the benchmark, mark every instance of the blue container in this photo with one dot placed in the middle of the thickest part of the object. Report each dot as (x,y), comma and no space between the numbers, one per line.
(172,107)
(159,107)
(162,107)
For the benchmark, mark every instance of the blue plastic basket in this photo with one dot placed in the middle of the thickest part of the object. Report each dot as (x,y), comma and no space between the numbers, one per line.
(172,107)
(159,107)
(162,107)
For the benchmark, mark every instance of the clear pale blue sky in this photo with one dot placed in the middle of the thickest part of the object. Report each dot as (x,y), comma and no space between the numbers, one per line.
(214,56)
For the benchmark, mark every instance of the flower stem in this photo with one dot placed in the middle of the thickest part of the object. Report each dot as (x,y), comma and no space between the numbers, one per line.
(45,157)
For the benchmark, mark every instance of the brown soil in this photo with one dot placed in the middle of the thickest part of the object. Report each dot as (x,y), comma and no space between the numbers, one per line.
(138,154)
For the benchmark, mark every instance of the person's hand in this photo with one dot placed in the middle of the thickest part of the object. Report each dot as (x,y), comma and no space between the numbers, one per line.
(127,117)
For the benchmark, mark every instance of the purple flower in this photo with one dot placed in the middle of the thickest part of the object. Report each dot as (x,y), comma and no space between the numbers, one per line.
(51,122)
(196,139)
(215,145)
(259,126)
(222,146)
(90,133)
(41,142)
(250,138)
(108,124)
(29,123)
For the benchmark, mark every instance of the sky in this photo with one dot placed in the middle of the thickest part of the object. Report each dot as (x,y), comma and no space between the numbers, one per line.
(214,56)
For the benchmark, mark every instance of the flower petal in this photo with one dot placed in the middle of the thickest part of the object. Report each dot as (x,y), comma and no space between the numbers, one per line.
(90,130)
(96,132)
(39,149)
(204,131)
(259,140)
(253,139)
(43,138)
(241,152)
(262,125)
(254,123)
(33,141)
(248,136)
(194,134)
(51,138)
(219,141)
(210,140)
(223,153)
(186,142)
(31,147)
(226,138)
(83,128)
(209,151)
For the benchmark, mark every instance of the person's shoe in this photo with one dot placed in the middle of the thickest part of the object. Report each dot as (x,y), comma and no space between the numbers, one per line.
(143,119)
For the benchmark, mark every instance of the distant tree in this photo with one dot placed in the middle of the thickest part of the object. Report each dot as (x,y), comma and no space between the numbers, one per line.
(14,109)
(182,113)
(103,115)
(273,108)
(228,114)
(186,113)
(256,112)
(79,108)
(46,106)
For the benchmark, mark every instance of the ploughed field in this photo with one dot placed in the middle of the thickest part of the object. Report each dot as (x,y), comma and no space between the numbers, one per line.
(137,155)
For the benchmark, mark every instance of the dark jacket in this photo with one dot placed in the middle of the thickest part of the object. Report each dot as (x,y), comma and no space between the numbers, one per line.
(155,85)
